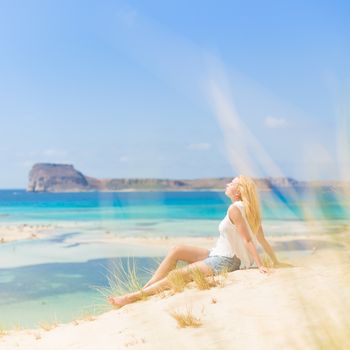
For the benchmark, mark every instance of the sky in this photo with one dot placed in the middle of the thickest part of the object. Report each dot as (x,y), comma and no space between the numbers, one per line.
(175,89)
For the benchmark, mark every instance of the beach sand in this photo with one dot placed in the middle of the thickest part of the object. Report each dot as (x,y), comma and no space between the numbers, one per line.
(302,307)
(16,232)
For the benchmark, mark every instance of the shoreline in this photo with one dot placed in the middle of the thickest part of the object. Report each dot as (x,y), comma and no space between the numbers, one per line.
(19,232)
(114,230)
(27,231)
(104,243)
(332,186)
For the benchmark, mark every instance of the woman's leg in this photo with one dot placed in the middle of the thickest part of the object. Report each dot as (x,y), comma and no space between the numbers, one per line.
(183,252)
(160,285)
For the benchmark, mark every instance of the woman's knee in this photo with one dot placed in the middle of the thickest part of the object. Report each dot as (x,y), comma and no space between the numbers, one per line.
(177,250)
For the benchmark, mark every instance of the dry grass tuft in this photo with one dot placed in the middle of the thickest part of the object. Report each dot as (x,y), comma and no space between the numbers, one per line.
(88,317)
(221,278)
(46,326)
(186,319)
(176,280)
(201,280)
(85,317)
(3,332)
(207,282)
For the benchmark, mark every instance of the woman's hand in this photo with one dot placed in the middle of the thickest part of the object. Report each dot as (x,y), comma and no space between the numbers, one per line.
(264,269)
(278,264)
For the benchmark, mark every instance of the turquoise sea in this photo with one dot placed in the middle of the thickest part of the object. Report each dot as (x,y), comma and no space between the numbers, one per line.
(54,279)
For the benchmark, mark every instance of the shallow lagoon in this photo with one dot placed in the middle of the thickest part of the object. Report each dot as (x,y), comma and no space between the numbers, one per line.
(54,279)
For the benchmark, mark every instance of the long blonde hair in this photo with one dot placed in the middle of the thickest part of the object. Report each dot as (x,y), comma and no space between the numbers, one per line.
(250,198)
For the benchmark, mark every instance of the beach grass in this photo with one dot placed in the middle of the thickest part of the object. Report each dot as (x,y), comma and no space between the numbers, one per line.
(186,318)
(3,332)
(126,279)
(176,280)
(121,280)
(48,326)
(201,281)
(86,317)
(221,278)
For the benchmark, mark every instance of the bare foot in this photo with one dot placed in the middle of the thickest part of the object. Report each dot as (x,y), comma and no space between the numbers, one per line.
(119,301)
(147,284)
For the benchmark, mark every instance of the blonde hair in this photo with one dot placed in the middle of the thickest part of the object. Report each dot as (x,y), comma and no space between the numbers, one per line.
(250,198)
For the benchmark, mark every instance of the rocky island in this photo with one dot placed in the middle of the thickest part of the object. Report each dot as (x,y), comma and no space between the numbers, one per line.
(51,177)
(47,177)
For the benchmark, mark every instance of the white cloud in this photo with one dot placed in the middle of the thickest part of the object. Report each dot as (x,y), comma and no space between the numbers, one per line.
(202,146)
(273,122)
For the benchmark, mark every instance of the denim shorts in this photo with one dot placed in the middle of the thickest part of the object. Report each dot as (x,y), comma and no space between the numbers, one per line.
(222,263)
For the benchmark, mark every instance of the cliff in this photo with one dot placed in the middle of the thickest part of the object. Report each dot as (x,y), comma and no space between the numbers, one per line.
(47,177)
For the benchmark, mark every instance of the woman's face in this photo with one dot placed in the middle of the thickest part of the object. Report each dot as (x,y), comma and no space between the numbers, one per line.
(232,190)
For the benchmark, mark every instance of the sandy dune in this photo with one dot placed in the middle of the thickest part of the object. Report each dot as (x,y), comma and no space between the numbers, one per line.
(291,308)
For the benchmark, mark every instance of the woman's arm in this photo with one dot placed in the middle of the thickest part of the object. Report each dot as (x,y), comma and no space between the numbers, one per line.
(237,218)
(265,244)
(268,249)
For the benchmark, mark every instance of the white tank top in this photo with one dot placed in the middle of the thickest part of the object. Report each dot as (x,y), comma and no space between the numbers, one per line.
(231,243)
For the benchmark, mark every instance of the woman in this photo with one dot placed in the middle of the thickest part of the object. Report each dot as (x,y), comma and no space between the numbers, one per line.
(236,246)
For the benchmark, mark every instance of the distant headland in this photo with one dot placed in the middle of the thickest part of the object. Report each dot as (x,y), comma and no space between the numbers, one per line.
(51,177)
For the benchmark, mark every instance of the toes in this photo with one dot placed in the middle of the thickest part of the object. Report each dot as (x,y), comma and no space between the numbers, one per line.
(112,300)
(118,301)
(115,301)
